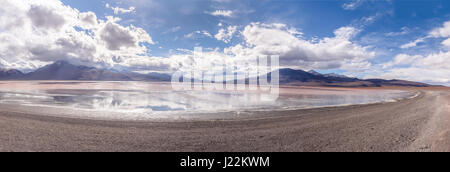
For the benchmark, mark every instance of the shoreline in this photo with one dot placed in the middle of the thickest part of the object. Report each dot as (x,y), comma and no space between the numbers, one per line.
(201,116)
(222,115)
(396,126)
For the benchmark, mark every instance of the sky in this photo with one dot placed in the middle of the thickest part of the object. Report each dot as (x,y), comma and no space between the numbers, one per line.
(389,39)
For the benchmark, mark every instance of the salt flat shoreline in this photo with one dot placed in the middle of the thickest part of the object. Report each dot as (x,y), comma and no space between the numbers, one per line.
(418,124)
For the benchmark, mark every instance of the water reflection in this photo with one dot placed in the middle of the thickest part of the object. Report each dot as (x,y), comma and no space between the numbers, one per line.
(148,98)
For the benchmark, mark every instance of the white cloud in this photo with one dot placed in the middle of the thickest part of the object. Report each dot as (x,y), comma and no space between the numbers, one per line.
(432,68)
(118,10)
(446,42)
(441,32)
(413,43)
(327,53)
(432,61)
(352,5)
(206,33)
(437,76)
(45,17)
(402,59)
(198,32)
(226,35)
(274,39)
(346,32)
(403,31)
(38,32)
(223,13)
(116,36)
(88,20)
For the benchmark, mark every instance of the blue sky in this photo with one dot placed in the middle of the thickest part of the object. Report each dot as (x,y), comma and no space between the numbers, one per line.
(315,18)
(371,38)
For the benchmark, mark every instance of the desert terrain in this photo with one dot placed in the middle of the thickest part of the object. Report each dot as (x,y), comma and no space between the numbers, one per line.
(412,125)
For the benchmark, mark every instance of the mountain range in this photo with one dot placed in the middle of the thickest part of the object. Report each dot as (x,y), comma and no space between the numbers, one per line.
(63,70)
(313,78)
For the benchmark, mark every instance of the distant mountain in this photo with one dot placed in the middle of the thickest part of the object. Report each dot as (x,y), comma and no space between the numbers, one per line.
(10,74)
(313,78)
(63,70)
(335,75)
(60,70)
(296,76)
(327,75)
(382,82)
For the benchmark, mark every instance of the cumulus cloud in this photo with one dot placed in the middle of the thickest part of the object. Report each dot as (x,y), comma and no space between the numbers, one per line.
(401,59)
(346,32)
(226,35)
(328,53)
(287,42)
(35,33)
(88,20)
(44,17)
(432,61)
(432,68)
(436,76)
(116,36)
(441,32)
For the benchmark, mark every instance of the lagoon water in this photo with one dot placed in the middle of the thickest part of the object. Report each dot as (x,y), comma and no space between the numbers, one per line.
(142,100)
